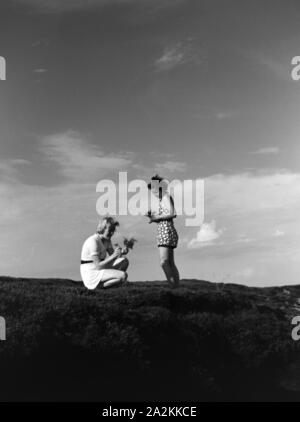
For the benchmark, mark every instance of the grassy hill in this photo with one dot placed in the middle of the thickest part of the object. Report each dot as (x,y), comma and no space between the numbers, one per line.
(203,341)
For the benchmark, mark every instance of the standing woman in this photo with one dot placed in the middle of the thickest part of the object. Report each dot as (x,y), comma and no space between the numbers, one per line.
(167,237)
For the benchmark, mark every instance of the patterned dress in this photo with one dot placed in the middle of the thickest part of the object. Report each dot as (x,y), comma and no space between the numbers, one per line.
(166,233)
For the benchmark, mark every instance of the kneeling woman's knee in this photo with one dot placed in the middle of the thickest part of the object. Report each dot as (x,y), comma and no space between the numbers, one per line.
(123,276)
(125,264)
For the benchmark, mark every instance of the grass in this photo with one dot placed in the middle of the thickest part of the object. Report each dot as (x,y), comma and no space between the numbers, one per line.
(201,342)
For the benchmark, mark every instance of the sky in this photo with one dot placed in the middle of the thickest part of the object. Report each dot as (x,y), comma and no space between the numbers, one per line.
(192,89)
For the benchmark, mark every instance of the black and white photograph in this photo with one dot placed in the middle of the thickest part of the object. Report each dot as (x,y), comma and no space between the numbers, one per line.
(149,203)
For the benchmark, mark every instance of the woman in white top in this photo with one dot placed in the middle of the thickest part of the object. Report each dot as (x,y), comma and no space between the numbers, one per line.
(96,268)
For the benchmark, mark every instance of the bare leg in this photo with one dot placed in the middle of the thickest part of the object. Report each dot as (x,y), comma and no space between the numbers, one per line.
(112,278)
(166,264)
(175,269)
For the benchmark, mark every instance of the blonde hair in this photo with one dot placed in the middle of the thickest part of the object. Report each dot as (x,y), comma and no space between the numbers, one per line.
(104,222)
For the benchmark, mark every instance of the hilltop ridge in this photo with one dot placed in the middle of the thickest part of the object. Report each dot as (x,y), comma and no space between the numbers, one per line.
(202,341)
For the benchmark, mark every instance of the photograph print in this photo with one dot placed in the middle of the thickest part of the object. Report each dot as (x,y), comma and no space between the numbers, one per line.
(149,202)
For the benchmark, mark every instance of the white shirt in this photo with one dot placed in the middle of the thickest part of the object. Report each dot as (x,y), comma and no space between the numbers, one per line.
(95,246)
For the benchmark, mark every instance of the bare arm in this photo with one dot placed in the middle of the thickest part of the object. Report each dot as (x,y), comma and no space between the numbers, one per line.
(95,254)
(106,263)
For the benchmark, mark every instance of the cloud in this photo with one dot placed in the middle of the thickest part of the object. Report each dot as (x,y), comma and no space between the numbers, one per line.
(255,208)
(211,113)
(254,192)
(170,167)
(222,115)
(9,168)
(267,151)
(205,236)
(58,6)
(179,54)
(41,70)
(280,69)
(250,205)
(277,67)
(171,58)
(243,239)
(48,223)
(165,169)
(245,273)
(77,159)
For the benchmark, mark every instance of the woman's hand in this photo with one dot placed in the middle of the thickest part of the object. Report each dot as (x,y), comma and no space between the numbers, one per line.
(153,217)
(125,251)
(117,252)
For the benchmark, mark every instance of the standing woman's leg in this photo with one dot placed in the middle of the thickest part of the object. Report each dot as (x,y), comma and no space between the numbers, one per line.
(165,254)
(174,268)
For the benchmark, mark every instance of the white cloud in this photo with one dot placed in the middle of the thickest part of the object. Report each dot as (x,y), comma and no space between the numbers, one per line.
(49,223)
(170,167)
(171,58)
(278,233)
(267,151)
(79,160)
(246,193)
(249,205)
(179,54)
(9,168)
(205,236)
(166,169)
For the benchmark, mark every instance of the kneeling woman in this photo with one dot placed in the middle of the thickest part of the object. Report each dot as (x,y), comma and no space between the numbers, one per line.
(167,237)
(96,267)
